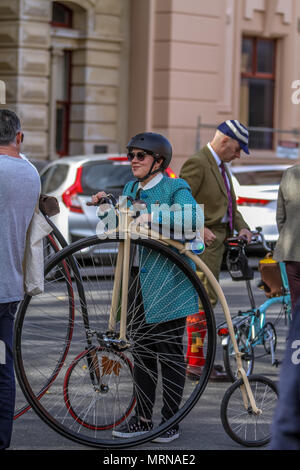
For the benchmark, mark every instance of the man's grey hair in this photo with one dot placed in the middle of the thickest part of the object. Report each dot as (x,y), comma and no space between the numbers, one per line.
(9,126)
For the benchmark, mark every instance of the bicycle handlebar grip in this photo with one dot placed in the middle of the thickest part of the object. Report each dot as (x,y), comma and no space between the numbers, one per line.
(104,200)
(101,201)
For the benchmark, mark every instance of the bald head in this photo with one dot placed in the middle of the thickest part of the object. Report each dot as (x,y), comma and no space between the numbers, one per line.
(225,147)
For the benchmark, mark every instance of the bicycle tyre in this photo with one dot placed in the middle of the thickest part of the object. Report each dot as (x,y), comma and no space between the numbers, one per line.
(28,376)
(269,329)
(51,247)
(112,360)
(229,359)
(242,426)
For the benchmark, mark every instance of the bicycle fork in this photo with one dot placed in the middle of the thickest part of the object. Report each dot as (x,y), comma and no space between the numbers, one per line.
(247,394)
(121,281)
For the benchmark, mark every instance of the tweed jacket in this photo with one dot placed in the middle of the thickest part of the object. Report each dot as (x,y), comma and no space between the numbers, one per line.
(154,271)
(288,216)
(203,175)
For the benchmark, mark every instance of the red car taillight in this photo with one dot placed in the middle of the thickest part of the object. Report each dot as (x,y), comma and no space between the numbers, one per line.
(118,159)
(170,173)
(249,201)
(223,332)
(69,197)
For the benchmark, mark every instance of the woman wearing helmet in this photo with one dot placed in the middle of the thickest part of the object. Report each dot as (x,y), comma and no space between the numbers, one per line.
(157,150)
(150,154)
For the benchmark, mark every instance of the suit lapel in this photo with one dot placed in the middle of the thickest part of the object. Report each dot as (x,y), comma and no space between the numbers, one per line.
(215,170)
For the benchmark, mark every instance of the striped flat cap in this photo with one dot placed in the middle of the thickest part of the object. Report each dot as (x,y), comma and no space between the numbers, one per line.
(236,130)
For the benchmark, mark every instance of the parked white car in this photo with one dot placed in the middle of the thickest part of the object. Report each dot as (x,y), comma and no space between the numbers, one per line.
(256,189)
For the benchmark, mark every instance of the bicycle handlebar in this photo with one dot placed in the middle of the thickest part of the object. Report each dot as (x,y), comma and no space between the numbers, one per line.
(257,237)
(108,199)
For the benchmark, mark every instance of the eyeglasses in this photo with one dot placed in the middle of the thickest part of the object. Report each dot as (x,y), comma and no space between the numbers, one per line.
(139,155)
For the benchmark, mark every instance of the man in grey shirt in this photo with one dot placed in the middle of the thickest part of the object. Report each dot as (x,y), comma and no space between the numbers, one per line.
(19,192)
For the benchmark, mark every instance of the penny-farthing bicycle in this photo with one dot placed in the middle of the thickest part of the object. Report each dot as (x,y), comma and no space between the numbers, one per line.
(78,344)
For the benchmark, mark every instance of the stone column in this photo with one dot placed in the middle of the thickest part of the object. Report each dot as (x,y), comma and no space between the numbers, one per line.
(24,66)
(97,80)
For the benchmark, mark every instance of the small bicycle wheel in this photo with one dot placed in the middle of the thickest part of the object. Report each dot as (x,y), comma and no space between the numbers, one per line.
(102,374)
(269,337)
(242,424)
(247,357)
(100,380)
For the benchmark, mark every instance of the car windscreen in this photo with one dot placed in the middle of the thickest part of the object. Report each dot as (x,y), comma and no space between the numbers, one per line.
(105,176)
(52,178)
(268,177)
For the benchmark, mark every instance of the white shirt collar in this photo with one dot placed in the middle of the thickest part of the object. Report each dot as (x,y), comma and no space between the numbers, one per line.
(157,178)
(215,155)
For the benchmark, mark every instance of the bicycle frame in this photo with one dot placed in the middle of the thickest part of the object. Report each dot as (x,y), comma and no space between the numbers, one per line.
(99,368)
(122,276)
(258,322)
(257,315)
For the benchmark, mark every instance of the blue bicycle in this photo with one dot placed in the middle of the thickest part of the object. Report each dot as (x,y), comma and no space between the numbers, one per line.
(252,327)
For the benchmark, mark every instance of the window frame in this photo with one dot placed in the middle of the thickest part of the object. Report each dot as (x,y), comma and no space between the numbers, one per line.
(255,73)
(69,13)
(66,104)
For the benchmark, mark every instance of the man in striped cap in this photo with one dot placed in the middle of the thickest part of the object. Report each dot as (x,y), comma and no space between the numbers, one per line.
(210,181)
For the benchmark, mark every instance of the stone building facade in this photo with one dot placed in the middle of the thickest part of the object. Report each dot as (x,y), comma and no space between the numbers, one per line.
(79,65)
(84,75)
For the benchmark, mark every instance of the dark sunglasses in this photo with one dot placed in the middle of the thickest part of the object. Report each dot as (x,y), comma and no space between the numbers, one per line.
(139,155)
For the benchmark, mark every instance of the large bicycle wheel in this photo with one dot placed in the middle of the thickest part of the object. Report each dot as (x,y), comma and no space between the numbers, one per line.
(98,384)
(245,348)
(243,425)
(61,287)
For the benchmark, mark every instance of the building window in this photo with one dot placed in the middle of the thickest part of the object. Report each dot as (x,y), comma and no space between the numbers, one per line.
(257,89)
(62,16)
(63,103)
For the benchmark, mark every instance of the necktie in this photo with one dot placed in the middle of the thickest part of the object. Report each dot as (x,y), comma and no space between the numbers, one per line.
(228,194)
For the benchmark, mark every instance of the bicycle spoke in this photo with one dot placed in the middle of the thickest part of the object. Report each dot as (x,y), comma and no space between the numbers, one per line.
(78,376)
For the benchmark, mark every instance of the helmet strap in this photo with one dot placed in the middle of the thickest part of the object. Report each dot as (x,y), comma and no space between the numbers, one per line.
(150,172)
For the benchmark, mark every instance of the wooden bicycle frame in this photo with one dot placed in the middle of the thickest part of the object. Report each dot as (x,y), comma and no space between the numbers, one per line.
(121,287)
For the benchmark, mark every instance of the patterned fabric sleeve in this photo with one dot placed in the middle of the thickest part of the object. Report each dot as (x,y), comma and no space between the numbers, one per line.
(184,216)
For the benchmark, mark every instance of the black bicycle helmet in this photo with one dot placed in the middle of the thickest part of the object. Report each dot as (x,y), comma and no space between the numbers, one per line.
(156,145)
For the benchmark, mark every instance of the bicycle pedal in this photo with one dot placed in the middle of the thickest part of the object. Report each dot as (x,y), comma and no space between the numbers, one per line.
(276,363)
